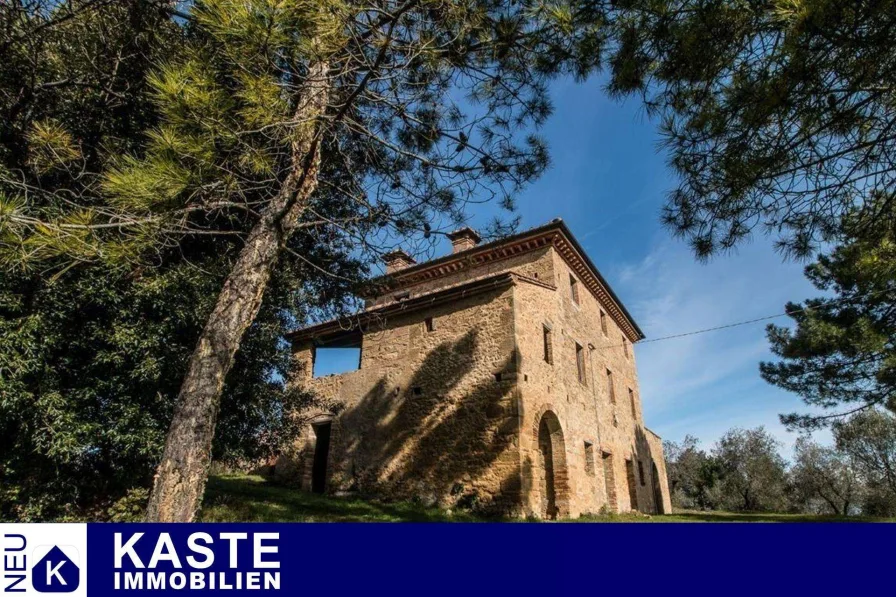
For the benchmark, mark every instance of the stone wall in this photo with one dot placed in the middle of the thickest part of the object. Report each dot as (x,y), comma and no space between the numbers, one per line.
(455,404)
(610,429)
(430,415)
(660,477)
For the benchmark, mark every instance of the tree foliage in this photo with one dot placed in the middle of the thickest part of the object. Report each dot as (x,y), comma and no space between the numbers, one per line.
(693,475)
(752,474)
(351,125)
(433,106)
(841,355)
(777,115)
(744,471)
(869,440)
(824,479)
(91,358)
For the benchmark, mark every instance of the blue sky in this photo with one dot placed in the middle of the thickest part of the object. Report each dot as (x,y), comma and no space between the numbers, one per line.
(608,181)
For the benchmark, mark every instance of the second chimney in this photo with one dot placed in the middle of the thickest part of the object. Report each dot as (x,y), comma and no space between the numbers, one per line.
(397,260)
(463,239)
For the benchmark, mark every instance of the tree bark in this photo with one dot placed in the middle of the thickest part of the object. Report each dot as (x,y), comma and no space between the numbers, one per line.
(181,476)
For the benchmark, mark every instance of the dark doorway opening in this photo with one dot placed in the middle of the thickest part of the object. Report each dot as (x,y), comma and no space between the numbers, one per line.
(321,452)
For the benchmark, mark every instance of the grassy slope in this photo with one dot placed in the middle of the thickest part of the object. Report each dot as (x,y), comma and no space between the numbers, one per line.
(689,516)
(247,498)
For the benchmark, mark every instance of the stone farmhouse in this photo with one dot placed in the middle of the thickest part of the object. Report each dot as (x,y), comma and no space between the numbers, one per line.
(501,377)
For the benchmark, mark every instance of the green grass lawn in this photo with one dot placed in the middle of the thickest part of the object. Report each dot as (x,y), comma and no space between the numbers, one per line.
(695,516)
(249,498)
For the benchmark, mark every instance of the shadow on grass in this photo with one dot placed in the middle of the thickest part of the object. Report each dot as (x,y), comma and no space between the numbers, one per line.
(249,498)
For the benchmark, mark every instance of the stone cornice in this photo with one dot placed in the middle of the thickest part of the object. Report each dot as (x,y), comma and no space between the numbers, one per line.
(569,249)
(554,234)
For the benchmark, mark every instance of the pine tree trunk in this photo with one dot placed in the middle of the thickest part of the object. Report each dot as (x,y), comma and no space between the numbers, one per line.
(181,476)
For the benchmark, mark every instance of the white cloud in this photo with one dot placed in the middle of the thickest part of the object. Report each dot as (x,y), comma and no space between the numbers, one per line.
(707,383)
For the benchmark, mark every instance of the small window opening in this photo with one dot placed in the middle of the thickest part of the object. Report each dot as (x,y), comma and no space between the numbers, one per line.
(574,288)
(625,346)
(499,376)
(641,473)
(631,398)
(589,458)
(548,347)
(333,360)
(603,322)
(429,324)
(417,390)
(580,364)
(610,388)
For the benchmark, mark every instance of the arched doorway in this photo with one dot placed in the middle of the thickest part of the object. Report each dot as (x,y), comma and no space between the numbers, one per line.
(552,455)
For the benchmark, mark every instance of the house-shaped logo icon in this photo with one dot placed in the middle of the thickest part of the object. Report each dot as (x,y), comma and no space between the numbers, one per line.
(55,573)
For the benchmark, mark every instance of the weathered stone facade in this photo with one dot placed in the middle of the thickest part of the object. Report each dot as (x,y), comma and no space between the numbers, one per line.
(501,377)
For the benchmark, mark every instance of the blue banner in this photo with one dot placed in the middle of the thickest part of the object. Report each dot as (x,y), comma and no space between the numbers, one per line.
(443,559)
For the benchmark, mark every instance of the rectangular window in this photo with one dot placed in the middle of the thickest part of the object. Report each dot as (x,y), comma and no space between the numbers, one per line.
(641,473)
(589,458)
(429,324)
(631,398)
(610,389)
(603,322)
(574,288)
(548,348)
(580,364)
(333,361)
(625,346)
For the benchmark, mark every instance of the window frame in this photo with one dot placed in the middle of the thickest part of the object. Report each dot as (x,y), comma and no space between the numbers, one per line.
(611,386)
(581,367)
(574,288)
(589,459)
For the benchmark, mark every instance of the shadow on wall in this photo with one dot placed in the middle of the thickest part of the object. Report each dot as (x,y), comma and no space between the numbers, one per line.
(443,439)
(644,476)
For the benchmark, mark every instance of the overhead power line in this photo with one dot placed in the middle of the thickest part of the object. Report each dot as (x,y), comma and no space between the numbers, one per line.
(758,319)
(718,327)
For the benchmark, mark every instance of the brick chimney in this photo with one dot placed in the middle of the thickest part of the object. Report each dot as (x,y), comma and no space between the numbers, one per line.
(397,260)
(463,239)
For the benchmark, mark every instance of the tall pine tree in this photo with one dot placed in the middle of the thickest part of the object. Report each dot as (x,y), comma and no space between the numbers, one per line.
(325,119)
(841,355)
(92,357)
